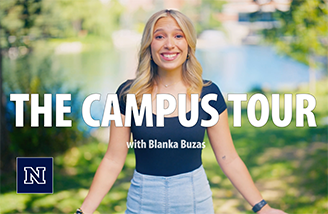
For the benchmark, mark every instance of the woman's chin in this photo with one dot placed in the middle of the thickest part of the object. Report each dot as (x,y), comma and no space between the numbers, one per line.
(170,67)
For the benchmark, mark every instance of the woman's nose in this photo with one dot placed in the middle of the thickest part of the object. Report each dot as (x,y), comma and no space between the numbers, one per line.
(169,44)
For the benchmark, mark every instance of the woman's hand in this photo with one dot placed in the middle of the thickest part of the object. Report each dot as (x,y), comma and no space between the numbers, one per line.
(268,210)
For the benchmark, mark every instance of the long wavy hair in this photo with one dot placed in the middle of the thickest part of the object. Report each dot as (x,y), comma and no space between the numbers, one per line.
(147,69)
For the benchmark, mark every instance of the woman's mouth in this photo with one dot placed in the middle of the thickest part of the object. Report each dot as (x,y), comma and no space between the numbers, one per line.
(169,57)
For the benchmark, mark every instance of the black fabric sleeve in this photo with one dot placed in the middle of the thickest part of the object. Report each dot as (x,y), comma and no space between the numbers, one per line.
(220,104)
(121,95)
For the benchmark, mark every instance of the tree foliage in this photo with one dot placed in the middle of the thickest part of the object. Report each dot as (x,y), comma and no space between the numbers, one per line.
(23,21)
(33,76)
(303,33)
(205,16)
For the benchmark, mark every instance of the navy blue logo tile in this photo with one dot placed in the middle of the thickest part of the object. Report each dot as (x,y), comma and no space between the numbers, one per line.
(34,175)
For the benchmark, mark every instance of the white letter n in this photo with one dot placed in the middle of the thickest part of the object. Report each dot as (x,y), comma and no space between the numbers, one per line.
(31,175)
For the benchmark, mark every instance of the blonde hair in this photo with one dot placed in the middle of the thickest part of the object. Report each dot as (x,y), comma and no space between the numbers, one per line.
(147,69)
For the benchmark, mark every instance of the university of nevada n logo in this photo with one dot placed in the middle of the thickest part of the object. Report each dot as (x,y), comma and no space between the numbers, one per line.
(34,175)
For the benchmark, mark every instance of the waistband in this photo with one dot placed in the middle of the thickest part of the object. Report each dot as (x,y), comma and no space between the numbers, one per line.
(198,171)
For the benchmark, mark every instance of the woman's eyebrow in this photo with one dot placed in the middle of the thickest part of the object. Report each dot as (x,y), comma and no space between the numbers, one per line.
(160,29)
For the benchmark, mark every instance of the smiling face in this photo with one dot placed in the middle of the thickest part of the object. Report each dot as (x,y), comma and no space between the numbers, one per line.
(169,47)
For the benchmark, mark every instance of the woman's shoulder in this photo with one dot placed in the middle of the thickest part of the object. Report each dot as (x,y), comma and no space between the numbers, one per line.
(210,87)
(124,86)
(126,83)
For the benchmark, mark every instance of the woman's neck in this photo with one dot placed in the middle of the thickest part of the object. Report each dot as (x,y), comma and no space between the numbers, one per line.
(168,77)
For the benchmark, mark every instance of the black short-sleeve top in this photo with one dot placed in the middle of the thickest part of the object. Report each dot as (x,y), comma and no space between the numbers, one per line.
(172,149)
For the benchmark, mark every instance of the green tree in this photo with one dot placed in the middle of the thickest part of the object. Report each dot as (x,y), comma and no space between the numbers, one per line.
(18,18)
(205,16)
(22,23)
(303,33)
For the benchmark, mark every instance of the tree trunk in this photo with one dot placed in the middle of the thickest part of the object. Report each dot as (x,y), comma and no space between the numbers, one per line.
(7,162)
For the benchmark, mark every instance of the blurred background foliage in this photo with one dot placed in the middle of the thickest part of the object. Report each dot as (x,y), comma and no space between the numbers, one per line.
(26,26)
(42,141)
(24,21)
(207,18)
(303,30)
(303,34)
(52,47)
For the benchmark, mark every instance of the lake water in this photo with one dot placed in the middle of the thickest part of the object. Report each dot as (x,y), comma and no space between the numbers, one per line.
(240,69)
(235,69)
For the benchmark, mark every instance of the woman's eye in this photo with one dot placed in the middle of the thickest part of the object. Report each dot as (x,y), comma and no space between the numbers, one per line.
(158,37)
(179,36)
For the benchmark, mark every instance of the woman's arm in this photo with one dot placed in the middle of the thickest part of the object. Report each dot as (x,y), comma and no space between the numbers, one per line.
(109,168)
(231,164)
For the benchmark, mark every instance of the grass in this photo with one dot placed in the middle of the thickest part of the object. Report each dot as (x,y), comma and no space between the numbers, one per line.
(289,166)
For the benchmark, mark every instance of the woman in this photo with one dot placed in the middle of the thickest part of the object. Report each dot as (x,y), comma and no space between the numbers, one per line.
(171,179)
